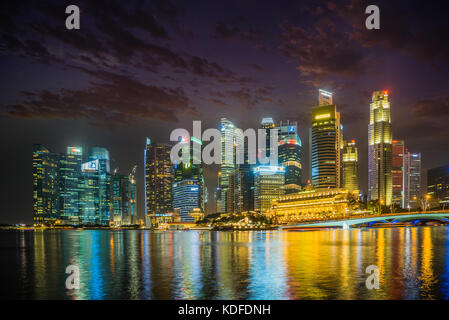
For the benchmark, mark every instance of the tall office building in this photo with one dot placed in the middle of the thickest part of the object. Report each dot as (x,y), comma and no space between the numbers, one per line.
(70,185)
(120,199)
(324,98)
(290,155)
(95,188)
(104,183)
(397,172)
(159,178)
(438,185)
(186,197)
(124,198)
(228,163)
(45,185)
(350,166)
(412,180)
(380,186)
(218,194)
(243,185)
(268,185)
(132,196)
(267,124)
(325,144)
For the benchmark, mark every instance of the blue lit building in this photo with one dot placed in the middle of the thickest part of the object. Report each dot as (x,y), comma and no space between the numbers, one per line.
(70,185)
(186,197)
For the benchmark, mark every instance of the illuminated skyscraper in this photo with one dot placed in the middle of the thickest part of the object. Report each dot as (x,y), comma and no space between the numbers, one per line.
(124,199)
(350,167)
(397,172)
(290,155)
(228,141)
(267,124)
(380,186)
(412,180)
(159,178)
(45,185)
(268,185)
(186,197)
(325,144)
(324,98)
(70,185)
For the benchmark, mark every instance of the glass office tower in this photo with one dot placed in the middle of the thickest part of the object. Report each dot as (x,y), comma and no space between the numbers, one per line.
(412,180)
(350,167)
(70,185)
(45,185)
(380,186)
(186,197)
(159,178)
(290,155)
(325,144)
(268,185)
(397,172)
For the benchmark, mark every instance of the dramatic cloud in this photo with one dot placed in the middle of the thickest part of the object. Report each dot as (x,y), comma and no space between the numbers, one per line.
(117,99)
(431,108)
(322,51)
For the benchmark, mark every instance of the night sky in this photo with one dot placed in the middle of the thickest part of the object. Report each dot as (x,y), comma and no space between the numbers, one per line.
(144,68)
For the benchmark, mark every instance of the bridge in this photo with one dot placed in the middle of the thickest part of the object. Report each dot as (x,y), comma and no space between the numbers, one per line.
(345,223)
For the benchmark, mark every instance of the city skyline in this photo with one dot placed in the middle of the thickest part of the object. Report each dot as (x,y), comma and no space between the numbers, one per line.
(119,80)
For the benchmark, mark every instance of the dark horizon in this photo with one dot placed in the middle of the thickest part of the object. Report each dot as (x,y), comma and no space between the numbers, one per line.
(142,69)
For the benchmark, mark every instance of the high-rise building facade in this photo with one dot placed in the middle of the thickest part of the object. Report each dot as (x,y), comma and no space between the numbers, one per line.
(290,155)
(186,197)
(380,184)
(228,164)
(268,185)
(267,124)
(350,166)
(120,199)
(67,190)
(45,185)
(70,185)
(159,178)
(243,186)
(325,145)
(397,172)
(438,185)
(412,180)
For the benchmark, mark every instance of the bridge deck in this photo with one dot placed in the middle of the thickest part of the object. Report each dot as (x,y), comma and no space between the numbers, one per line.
(441,216)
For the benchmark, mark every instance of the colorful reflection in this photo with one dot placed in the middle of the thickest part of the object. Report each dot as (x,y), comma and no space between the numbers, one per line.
(413,263)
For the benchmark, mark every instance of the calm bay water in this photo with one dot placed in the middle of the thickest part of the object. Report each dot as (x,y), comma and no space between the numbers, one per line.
(330,264)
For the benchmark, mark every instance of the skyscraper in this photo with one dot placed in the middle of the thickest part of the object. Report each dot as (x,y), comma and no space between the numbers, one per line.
(380,186)
(70,185)
(350,167)
(268,185)
(397,172)
(186,197)
(325,144)
(267,124)
(290,155)
(103,182)
(45,185)
(438,184)
(159,178)
(120,199)
(228,141)
(412,180)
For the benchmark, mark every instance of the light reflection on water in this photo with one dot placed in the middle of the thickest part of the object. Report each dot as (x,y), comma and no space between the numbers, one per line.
(331,264)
